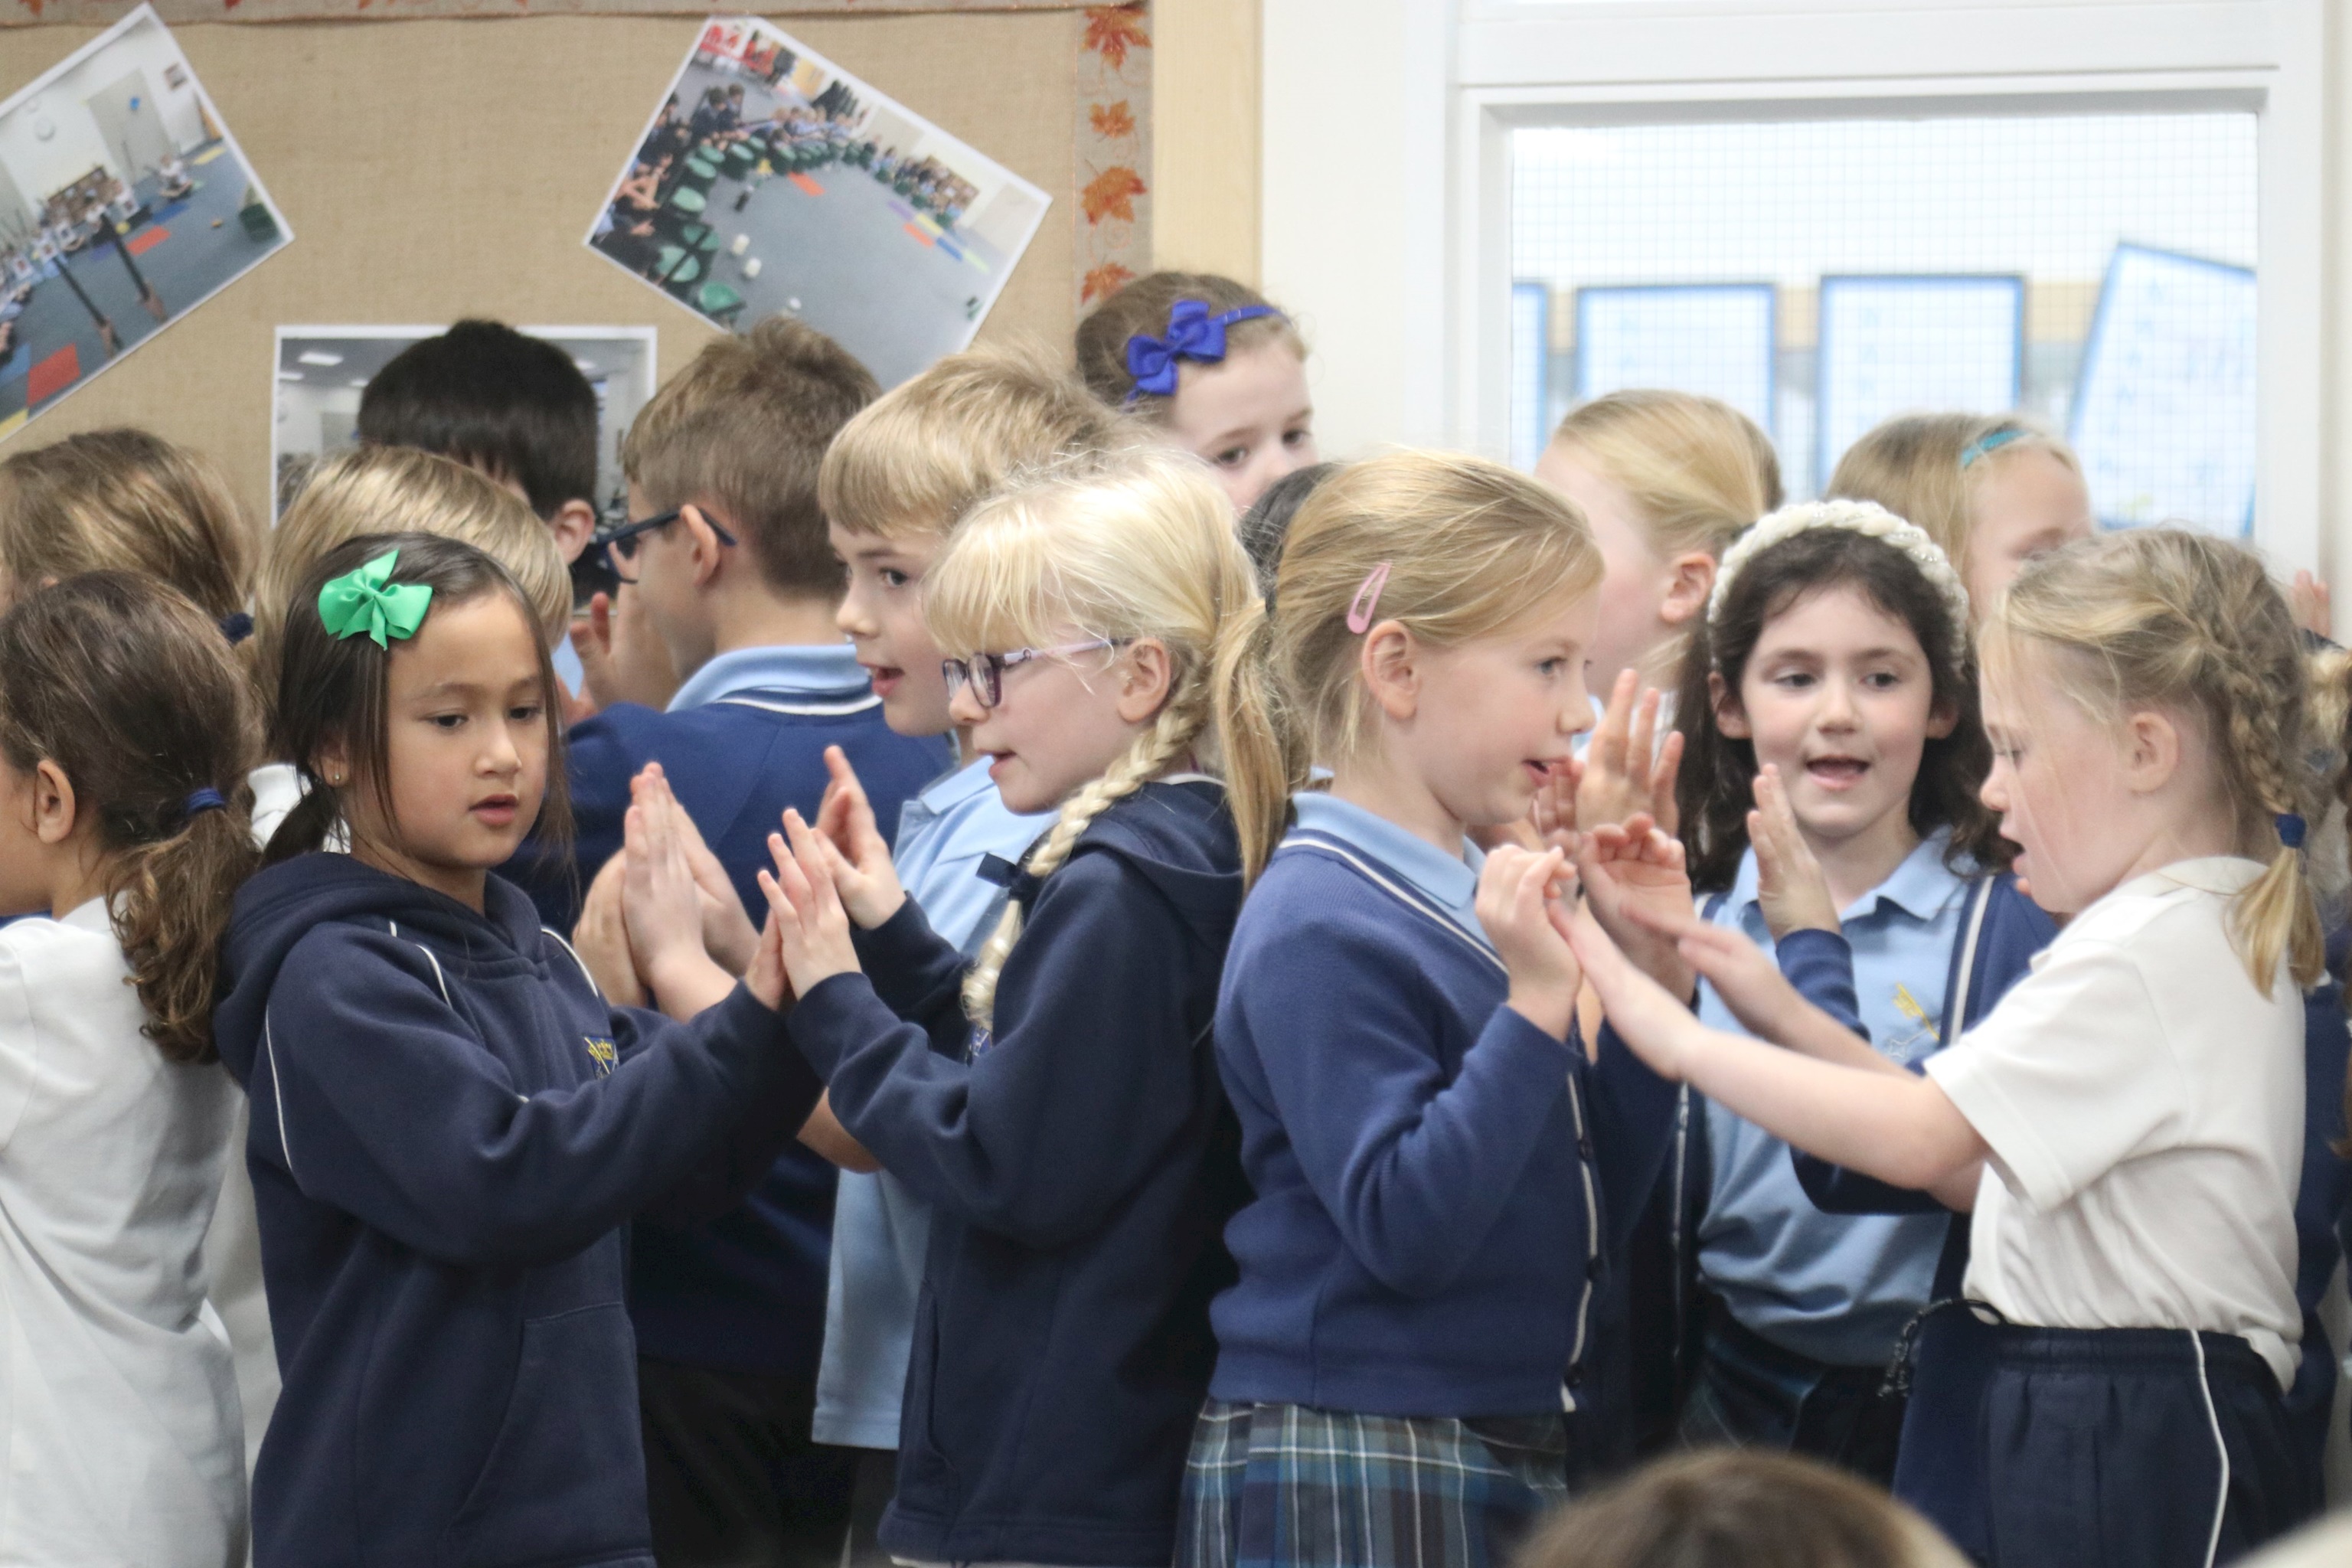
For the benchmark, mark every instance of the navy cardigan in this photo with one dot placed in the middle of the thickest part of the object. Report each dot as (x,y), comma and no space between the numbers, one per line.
(1080,1162)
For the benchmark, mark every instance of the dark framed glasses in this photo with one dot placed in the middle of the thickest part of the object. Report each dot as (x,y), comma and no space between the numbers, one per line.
(984,672)
(620,546)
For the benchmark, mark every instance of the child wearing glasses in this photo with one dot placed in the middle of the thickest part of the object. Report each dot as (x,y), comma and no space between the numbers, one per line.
(897,482)
(728,554)
(1055,1100)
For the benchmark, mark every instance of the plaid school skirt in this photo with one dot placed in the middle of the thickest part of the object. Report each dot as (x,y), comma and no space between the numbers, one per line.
(1281,1485)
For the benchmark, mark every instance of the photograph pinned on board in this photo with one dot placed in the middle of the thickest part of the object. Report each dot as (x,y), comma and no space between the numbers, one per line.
(772,182)
(124,205)
(321,372)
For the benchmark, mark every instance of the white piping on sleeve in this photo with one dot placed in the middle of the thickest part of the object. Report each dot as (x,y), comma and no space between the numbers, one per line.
(276,1095)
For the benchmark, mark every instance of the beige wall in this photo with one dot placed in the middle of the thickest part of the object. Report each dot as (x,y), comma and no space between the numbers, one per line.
(1204,136)
(438,169)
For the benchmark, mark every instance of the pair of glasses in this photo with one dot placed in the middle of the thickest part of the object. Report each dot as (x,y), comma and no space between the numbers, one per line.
(984,672)
(621,545)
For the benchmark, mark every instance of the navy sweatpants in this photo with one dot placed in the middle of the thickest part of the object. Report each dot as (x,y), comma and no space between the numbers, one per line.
(2083,1447)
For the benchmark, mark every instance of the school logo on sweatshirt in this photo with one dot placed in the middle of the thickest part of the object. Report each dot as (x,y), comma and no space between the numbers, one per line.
(602,1052)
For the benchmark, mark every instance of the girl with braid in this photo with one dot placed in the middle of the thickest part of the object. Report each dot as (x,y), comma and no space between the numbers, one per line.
(2127,1122)
(1056,1099)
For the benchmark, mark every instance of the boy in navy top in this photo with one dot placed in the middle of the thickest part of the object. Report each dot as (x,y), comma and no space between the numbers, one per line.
(727,549)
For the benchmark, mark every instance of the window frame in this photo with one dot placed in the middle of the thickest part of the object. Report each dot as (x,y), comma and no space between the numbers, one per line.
(1514,63)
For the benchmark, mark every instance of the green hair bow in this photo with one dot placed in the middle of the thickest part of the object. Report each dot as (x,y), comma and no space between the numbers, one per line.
(359,602)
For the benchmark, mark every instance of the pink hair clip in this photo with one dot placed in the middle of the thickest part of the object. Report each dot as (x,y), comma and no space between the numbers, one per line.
(1367,599)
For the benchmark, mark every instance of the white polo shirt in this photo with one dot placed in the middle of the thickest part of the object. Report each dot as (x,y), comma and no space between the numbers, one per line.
(2143,1105)
(120,1440)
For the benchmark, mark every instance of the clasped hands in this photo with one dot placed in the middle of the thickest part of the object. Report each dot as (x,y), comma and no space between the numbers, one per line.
(662,923)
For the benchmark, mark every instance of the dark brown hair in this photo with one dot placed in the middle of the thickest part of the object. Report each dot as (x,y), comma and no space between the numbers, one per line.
(513,406)
(130,690)
(1143,307)
(1716,790)
(1738,1508)
(742,431)
(332,688)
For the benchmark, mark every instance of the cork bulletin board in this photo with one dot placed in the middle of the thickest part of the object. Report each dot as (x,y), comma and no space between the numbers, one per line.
(441,158)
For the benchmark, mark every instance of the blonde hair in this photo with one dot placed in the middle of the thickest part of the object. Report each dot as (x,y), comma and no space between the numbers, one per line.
(2162,617)
(1925,468)
(399,490)
(1471,549)
(1135,544)
(918,457)
(1699,470)
(124,500)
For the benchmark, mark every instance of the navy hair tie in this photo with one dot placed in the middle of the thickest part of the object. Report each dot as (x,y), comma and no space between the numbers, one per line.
(202,801)
(2291,829)
(237,627)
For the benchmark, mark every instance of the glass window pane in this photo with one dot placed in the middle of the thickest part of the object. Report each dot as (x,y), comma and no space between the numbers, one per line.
(1947,262)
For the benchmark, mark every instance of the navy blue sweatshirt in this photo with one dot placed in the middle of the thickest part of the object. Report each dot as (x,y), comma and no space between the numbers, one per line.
(1080,1162)
(449,1126)
(744,1291)
(1439,1182)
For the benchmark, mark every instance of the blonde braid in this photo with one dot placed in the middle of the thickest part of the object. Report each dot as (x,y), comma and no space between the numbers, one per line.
(1182,719)
(2275,918)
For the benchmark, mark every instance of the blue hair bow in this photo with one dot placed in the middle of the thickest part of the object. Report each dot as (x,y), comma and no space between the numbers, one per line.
(1193,334)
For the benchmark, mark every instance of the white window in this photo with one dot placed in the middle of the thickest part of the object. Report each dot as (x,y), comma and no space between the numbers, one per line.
(2106,212)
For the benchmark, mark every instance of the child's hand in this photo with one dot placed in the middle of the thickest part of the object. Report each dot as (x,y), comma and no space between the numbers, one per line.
(810,927)
(2308,596)
(1554,813)
(1789,887)
(659,903)
(728,933)
(1742,973)
(602,938)
(854,850)
(1633,865)
(621,659)
(1516,893)
(1626,772)
(1661,1030)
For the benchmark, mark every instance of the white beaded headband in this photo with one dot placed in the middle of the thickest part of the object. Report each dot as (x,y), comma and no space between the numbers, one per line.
(1856,517)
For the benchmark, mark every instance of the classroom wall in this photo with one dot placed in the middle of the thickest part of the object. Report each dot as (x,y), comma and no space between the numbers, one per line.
(403,212)
(1205,90)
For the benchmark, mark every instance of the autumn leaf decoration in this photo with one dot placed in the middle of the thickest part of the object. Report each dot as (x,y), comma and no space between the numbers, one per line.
(1112,30)
(1112,120)
(1103,282)
(1112,194)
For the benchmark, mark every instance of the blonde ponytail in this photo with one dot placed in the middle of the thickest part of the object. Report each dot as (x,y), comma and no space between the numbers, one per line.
(1131,546)
(1265,753)
(1468,549)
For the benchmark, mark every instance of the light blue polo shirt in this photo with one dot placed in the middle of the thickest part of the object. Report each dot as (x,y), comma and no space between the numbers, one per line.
(1450,881)
(797,671)
(881,1231)
(1837,1287)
